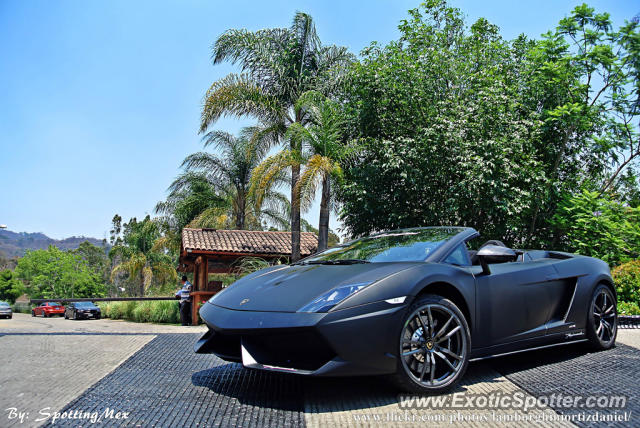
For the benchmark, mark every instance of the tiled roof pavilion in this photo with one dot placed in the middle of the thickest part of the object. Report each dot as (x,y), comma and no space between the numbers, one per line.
(206,251)
(249,242)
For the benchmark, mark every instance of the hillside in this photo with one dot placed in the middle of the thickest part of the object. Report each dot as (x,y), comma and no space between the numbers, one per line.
(14,244)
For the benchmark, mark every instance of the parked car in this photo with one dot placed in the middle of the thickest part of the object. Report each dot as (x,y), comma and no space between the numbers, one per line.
(80,310)
(48,309)
(416,304)
(5,310)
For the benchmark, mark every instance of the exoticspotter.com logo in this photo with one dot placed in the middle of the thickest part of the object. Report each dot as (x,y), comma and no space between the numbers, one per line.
(517,400)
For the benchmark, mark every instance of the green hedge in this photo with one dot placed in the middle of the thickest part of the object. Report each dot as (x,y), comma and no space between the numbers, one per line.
(627,279)
(628,308)
(158,311)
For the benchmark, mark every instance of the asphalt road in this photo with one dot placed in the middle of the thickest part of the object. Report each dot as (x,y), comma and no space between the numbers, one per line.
(129,374)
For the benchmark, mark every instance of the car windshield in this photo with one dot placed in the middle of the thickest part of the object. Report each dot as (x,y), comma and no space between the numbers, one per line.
(4,305)
(83,305)
(397,246)
(54,304)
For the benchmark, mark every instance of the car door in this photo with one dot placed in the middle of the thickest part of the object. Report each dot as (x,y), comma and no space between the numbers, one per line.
(511,301)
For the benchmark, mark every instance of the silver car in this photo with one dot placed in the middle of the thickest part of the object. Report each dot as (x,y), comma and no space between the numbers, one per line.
(5,310)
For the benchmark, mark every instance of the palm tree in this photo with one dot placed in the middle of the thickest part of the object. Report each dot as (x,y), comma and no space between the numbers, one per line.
(214,189)
(135,256)
(277,66)
(321,152)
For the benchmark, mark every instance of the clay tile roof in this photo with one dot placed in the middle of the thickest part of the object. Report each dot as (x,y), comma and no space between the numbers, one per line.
(247,241)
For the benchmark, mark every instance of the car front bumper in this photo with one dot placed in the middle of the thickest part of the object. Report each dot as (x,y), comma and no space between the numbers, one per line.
(356,341)
(87,315)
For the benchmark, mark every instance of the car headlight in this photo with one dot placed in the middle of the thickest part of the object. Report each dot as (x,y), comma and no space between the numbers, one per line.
(332,297)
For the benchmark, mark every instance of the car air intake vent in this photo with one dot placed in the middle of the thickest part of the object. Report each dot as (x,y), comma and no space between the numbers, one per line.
(302,350)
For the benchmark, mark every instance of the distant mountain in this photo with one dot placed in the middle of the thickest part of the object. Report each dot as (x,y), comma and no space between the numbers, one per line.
(14,244)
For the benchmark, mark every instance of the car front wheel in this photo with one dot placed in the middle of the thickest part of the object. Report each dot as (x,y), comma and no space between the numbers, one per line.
(33,314)
(434,346)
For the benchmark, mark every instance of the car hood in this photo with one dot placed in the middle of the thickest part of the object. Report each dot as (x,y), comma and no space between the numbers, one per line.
(289,288)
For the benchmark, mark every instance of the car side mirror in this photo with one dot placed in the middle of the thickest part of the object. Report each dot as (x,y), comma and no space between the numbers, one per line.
(494,254)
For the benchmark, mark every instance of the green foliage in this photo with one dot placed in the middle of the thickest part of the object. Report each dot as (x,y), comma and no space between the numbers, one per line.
(135,260)
(628,308)
(459,126)
(599,227)
(53,273)
(95,258)
(627,280)
(161,311)
(10,287)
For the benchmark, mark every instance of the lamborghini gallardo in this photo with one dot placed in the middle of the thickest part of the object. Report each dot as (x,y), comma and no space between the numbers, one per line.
(414,304)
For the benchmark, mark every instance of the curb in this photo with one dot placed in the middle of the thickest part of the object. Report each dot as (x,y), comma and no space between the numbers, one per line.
(629,321)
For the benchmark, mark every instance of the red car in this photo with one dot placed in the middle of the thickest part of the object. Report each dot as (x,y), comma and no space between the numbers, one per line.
(48,309)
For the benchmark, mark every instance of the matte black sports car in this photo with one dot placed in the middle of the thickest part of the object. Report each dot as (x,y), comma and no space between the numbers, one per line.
(416,304)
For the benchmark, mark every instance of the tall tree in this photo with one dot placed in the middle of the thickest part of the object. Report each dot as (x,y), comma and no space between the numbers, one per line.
(213,190)
(54,273)
(460,126)
(321,151)
(277,66)
(138,259)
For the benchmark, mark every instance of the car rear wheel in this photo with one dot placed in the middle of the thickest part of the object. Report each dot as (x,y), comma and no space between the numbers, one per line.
(434,346)
(602,319)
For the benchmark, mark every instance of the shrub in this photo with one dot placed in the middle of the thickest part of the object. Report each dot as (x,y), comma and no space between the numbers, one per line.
(165,311)
(628,308)
(142,312)
(627,280)
(105,309)
(128,308)
(160,311)
(601,227)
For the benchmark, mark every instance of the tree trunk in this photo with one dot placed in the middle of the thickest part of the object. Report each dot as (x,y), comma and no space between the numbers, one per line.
(242,206)
(142,284)
(295,214)
(323,226)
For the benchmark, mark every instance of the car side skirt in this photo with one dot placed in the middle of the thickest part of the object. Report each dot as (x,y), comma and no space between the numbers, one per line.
(572,342)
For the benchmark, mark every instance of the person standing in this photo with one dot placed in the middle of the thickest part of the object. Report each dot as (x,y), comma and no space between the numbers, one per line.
(184,294)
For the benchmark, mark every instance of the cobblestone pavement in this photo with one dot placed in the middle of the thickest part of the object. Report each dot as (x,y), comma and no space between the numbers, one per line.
(161,382)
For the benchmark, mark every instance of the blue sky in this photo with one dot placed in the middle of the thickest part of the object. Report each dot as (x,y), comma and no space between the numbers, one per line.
(100,100)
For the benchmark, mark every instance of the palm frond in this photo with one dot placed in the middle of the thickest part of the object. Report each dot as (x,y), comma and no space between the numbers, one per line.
(212,217)
(269,170)
(219,139)
(316,168)
(238,96)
